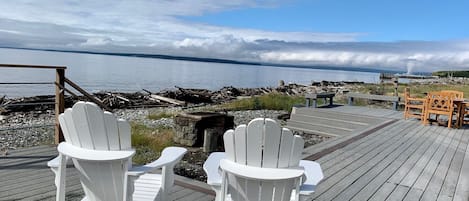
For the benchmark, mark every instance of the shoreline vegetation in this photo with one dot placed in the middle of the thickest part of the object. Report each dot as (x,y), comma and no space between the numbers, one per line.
(464,74)
(151,115)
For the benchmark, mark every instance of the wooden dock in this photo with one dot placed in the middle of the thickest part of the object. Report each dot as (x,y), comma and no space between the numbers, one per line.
(392,159)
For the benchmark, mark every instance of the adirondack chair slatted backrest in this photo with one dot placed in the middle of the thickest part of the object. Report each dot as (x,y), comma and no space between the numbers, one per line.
(262,143)
(87,126)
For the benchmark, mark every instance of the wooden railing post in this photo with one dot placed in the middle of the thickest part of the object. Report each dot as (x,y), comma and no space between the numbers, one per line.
(59,103)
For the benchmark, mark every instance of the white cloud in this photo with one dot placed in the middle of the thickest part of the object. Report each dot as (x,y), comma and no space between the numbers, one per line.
(146,26)
(417,61)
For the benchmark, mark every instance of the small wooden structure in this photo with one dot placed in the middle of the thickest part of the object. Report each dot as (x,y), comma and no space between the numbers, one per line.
(394,99)
(314,97)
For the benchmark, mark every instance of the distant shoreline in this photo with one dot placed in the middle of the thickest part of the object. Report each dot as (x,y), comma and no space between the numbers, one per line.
(223,61)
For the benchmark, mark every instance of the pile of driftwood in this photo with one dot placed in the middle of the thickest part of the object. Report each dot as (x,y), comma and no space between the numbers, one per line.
(178,97)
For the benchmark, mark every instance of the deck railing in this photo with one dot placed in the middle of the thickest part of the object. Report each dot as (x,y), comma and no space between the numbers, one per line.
(60,88)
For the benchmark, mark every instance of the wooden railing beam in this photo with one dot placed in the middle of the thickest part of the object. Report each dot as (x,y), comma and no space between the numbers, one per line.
(88,95)
(59,103)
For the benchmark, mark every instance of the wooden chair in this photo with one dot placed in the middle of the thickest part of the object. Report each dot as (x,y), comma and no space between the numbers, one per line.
(439,103)
(261,162)
(412,104)
(456,95)
(99,145)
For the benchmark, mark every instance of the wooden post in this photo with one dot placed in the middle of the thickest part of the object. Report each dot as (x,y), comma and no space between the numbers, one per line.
(59,103)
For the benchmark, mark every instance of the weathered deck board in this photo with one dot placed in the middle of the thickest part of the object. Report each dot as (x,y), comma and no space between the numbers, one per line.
(366,178)
(357,166)
(462,188)
(434,185)
(451,180)
(330,123)
(367,191)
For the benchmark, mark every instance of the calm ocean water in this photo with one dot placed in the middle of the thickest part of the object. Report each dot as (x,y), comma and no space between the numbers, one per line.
(130,74)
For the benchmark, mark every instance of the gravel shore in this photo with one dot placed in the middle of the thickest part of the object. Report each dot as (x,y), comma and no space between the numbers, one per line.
(35,128)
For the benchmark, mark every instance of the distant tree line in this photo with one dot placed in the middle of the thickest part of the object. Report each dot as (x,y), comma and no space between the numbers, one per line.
(451,73)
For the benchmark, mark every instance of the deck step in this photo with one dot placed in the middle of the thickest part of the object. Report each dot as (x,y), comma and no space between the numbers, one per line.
(347,125)
(315,129)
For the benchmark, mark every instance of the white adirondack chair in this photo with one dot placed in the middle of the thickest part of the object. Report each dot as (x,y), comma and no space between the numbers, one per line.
(99,145)
(261,162)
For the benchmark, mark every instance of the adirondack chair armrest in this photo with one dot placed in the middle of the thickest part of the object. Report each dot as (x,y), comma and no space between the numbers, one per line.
(313,174)
(212,168)
(169,156)
(54,163)
(259,173)
(93,155)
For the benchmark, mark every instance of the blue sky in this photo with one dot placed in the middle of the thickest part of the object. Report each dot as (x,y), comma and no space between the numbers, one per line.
(413,35)
(389,20)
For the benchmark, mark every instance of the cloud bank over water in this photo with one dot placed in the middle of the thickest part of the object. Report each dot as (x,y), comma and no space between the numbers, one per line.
(159,27)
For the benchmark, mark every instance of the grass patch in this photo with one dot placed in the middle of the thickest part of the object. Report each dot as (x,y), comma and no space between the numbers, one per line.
(272,101)
(418,90)
(149,142)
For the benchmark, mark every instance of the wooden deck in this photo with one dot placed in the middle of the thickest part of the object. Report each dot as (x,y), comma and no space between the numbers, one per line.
(401,161)
(396,160)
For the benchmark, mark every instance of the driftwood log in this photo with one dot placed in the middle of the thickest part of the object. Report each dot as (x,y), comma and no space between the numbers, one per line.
(178,97)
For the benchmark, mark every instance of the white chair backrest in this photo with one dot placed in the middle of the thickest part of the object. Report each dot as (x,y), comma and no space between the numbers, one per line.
(85,125)
(262,143)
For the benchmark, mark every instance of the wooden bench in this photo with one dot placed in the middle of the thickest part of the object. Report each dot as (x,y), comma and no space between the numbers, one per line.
(394,99)
(315,97)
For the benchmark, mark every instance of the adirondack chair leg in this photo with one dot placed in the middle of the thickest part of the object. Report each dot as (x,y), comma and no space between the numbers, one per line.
(61,175)
(129,181)
(297,189)
(224,187)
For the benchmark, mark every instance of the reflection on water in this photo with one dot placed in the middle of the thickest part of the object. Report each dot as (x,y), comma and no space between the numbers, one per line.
(130,74)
